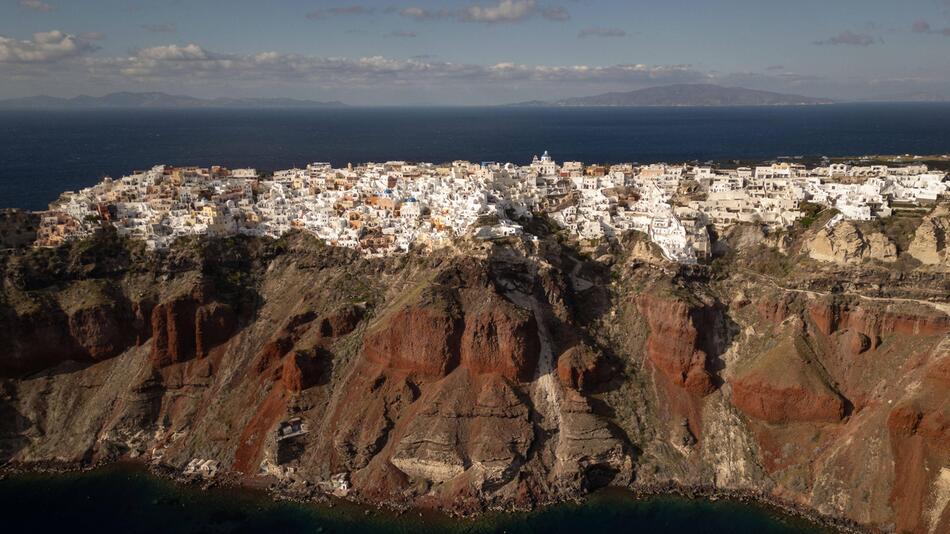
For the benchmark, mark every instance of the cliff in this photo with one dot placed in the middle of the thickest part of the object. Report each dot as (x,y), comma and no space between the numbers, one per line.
(488,375)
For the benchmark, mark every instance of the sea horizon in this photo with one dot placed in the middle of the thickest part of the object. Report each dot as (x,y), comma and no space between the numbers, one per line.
(46,152)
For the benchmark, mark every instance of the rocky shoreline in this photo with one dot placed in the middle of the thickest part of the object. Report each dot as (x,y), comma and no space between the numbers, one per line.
(312,496)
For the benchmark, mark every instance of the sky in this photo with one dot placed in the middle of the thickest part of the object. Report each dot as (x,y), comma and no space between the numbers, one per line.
(471,52)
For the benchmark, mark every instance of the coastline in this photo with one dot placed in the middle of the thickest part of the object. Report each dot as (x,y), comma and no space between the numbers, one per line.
(311,496)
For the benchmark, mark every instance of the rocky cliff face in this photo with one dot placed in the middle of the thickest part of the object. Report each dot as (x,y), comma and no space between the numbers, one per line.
(845,244)
(930,240)
(499,375)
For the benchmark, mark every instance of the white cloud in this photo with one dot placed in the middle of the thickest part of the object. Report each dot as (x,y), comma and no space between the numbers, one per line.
(503,11)
(376,78)
(192,62)
(419,13)
(189,52)
(43,47)
(318,14)
(500,11)
(623,73)
(37,5)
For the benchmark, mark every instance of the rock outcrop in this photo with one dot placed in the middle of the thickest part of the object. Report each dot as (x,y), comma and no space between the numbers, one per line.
(500,338)
(929,245)
(675,345)
(845,244)
(184,328)
(422,339)
(785,385)
(468,424)
(919,434)
(582,368)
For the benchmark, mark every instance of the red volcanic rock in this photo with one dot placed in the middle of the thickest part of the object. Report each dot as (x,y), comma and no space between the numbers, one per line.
(283,341)
(781,387)
(103,331)
(500,339)
(783,404)
(183,329)
(919,432)
(772,308)
(265,415)
(300,371)
(46,335)
(929,420)
(341,321)
(35,340)
(581,368)
(142,321)
(825,315)
(422,339)
(857,342)
(214,324)
(874,322)
(940,370)
(272,352)
(173,331)
(432,338)
(673,345)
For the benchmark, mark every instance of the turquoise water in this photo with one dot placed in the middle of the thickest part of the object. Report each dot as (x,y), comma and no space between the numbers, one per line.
(123,499)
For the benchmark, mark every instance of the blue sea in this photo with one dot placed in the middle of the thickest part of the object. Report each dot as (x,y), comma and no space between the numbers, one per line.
(127,500)
(45,152)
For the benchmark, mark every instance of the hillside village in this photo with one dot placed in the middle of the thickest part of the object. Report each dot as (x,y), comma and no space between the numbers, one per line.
(383,208)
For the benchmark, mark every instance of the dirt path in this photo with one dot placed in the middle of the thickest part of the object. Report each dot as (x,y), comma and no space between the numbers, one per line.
(942,307)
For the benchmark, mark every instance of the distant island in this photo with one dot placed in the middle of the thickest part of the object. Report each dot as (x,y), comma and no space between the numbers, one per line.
(684,95)
(157,100)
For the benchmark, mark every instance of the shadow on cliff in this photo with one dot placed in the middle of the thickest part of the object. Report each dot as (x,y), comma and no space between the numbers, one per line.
(718,339)
(717,330)
(13,426)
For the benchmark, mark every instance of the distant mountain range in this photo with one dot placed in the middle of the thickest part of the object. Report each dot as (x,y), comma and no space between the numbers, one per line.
(157,101)
(912,97)
(685,95)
